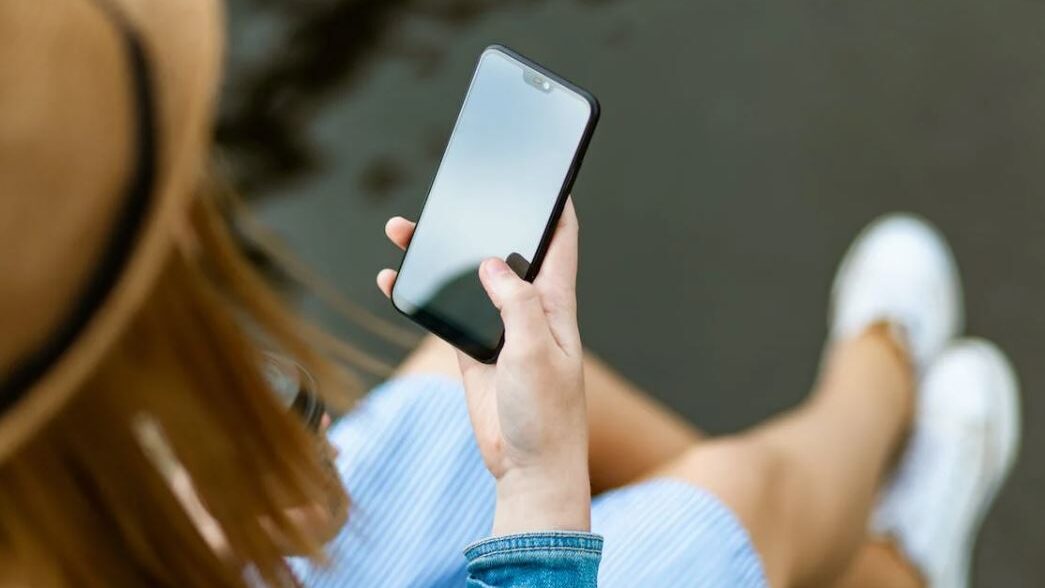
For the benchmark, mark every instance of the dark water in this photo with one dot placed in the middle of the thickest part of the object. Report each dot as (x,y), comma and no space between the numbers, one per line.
(742,145)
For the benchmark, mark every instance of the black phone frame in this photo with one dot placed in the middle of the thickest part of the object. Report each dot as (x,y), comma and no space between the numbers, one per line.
(449,332)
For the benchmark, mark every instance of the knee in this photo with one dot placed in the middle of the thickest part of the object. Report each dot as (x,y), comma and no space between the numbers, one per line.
(746,474)
(755,480)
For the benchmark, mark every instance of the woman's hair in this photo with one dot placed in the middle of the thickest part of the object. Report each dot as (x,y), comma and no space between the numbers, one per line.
(174,464)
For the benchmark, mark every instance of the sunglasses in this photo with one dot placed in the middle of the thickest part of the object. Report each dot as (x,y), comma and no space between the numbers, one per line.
(27,371)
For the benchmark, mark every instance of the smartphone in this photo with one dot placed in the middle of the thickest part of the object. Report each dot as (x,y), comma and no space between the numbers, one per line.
(498,192)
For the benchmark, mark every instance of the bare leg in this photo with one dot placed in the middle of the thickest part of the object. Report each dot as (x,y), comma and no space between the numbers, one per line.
(803,484)
(631,433)
(633,436)
(879,565)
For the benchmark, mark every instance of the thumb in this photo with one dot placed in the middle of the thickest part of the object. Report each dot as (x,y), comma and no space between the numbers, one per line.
(525,324)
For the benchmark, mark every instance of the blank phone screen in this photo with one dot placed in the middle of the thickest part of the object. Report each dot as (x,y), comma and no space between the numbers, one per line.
(505,168)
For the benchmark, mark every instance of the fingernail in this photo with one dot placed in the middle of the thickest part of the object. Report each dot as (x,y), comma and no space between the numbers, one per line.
(495,268)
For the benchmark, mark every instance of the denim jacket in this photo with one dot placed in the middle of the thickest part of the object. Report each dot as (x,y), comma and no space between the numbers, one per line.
(535,560)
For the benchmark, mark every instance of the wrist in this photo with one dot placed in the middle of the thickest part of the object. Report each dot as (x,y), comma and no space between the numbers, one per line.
(542,500)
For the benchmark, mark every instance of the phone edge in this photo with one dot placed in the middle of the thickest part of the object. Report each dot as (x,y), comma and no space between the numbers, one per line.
(595,113)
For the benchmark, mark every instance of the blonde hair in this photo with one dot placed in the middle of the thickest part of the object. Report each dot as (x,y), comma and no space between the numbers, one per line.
(90,499)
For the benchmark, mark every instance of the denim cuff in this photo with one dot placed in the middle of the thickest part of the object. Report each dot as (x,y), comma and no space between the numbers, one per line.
(552,559)
(538,541)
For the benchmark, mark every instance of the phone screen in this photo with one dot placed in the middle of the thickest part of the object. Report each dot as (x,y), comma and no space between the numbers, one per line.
(509,162)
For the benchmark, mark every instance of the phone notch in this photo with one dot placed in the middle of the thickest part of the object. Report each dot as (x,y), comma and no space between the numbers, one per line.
(537,80)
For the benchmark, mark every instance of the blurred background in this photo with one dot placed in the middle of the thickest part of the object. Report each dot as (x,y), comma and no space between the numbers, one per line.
(743,144)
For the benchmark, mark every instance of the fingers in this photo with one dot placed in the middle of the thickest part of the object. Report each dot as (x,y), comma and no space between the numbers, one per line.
(558,277)
(557,282)
(399,231)
(553,292)
(525,325)
(386,278)
(560,262)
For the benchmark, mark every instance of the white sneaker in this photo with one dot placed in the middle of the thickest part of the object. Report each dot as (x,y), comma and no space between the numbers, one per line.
(963,445)
(899,270)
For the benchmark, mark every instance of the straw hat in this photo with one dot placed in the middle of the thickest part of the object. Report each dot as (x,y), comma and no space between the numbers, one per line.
(105,112)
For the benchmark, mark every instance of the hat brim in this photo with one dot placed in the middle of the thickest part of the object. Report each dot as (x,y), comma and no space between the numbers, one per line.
(184,80)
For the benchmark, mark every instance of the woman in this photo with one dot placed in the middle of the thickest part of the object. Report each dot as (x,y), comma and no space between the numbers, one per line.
(141,446)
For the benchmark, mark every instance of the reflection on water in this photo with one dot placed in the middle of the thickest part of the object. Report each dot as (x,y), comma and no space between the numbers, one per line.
(289,56)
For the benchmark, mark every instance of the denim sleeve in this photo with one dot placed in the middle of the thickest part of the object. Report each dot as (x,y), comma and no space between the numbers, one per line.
(535,560)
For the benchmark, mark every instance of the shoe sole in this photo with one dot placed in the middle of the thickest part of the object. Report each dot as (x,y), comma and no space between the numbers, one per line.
(1006,444)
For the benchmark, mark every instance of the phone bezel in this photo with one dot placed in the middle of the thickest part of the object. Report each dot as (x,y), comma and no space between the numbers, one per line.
(447,331)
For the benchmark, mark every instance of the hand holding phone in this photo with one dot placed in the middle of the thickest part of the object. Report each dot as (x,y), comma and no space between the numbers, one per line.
(528,410)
